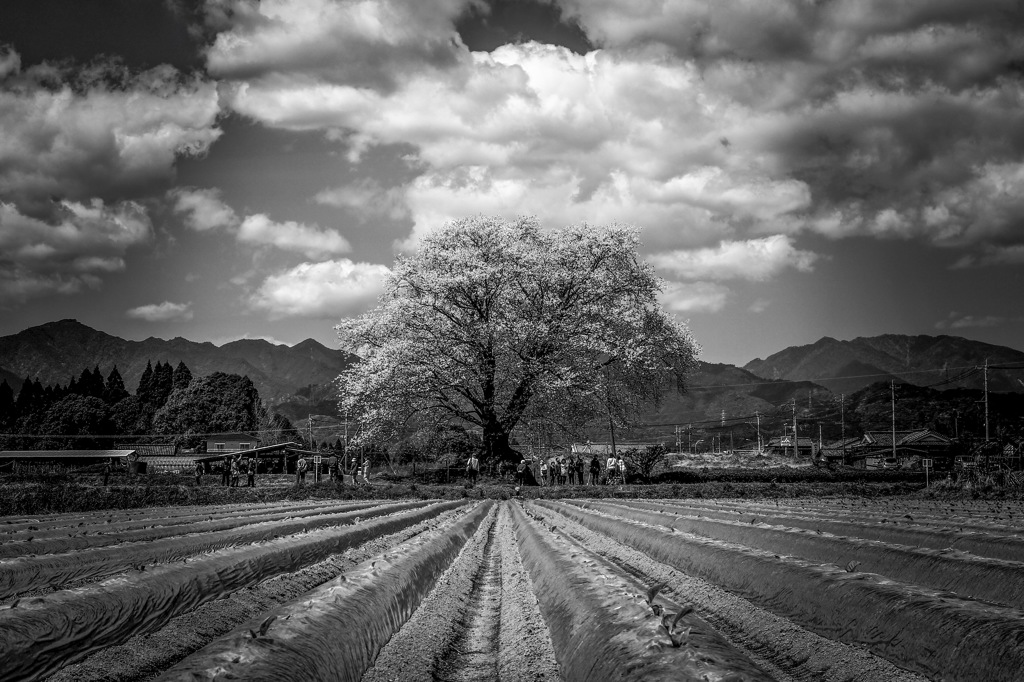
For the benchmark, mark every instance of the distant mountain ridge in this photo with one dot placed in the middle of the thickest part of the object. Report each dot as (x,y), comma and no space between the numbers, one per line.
(845,366)
(56,351)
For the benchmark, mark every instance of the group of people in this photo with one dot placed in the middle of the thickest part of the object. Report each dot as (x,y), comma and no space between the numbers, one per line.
(335,469)
(574,470)
(232,470)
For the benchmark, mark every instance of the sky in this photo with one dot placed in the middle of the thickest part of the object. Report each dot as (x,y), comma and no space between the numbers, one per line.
(235,169)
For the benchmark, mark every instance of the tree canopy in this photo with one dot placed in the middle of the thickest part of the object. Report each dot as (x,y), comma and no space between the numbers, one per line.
(494,322)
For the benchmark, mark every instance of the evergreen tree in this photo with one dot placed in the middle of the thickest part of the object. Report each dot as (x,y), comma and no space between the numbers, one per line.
(163,383)
(6,404)
(26,399)
(145,383)
(114,392)
(182,377)
(97,385)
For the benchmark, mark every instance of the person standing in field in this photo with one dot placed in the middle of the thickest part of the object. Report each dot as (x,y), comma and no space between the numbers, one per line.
(300,470)
(251,473)
(472,469)
(366,471)
(236,471)
(199,473)
(610,466)
(595,471)
(543,472)
(106,472)
(521,472)
(563,469)
(332,467)
(225,471)
(621,465)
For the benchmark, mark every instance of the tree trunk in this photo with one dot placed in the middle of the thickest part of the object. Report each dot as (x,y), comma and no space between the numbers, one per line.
(496,445)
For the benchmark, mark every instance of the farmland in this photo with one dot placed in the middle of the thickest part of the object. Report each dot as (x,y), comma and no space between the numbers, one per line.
(469,589)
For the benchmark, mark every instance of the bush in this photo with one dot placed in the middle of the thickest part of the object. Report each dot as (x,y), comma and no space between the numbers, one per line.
(787,475)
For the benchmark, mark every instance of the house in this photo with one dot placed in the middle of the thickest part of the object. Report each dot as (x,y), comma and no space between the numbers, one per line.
(149,449)
(839,450)
(910,448)
(783,445)
(231,442)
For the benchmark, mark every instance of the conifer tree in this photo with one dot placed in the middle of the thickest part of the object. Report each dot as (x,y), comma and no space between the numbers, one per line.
(182,377)
(114,391)
(145,383)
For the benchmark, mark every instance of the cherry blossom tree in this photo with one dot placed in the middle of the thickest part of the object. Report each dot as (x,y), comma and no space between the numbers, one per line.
(492,322)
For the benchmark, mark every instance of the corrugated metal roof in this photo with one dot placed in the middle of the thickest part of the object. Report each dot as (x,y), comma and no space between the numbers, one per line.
(62,454)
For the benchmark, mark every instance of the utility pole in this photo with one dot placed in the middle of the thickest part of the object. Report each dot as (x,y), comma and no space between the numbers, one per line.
(679,440)
(796,451)
(723,417)
(611,426)
(892,386)
(689,448)
(986,400)
(758,415)
(842,422)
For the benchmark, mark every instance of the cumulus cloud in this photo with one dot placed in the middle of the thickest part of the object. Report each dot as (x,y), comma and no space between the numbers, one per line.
(992,255)
(699,121)
(98,132)
(753,259)
(359,42)
(694,297)
(203,209)
(329,289)
(367,199)
(86,241)
(162,312)
(311,240)
(956,320)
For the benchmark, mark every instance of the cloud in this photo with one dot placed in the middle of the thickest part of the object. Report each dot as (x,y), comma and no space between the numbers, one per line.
(753,259)
(289,235)
(367,199)
(759,305)
(992,255)
(203,209)
(10,62)
(330,289)
(957,321)
(694,297)
(85,242)
(98,132)
(698,121)
(365,43)
(162,312)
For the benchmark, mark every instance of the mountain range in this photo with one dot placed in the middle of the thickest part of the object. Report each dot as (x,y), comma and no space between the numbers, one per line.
(938,361)
(56,351)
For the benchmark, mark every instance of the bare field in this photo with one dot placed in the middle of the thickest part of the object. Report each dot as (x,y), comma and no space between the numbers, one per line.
(800,589)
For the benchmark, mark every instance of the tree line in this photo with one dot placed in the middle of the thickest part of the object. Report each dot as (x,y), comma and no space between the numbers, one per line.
(169,405)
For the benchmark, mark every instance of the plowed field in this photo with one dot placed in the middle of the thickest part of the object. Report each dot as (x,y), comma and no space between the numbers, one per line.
(518,590)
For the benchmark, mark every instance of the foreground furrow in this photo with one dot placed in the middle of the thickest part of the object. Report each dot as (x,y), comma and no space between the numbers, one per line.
(601,625)
(1006,547)
(995,580)
(336,631)
(69,520)
(147,655)
(864,513)
(54,571)
(40,635)
(81,539)
(109,525)
(914,627)
(783,649)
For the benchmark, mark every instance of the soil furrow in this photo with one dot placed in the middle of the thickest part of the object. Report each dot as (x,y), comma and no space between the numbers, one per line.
(785,649)
(474,653)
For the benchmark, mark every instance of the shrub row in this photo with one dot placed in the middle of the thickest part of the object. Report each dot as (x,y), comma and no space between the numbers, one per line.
(787,475)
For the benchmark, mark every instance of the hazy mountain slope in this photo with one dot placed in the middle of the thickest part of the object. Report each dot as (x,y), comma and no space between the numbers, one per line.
(845,366)
(56,351)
